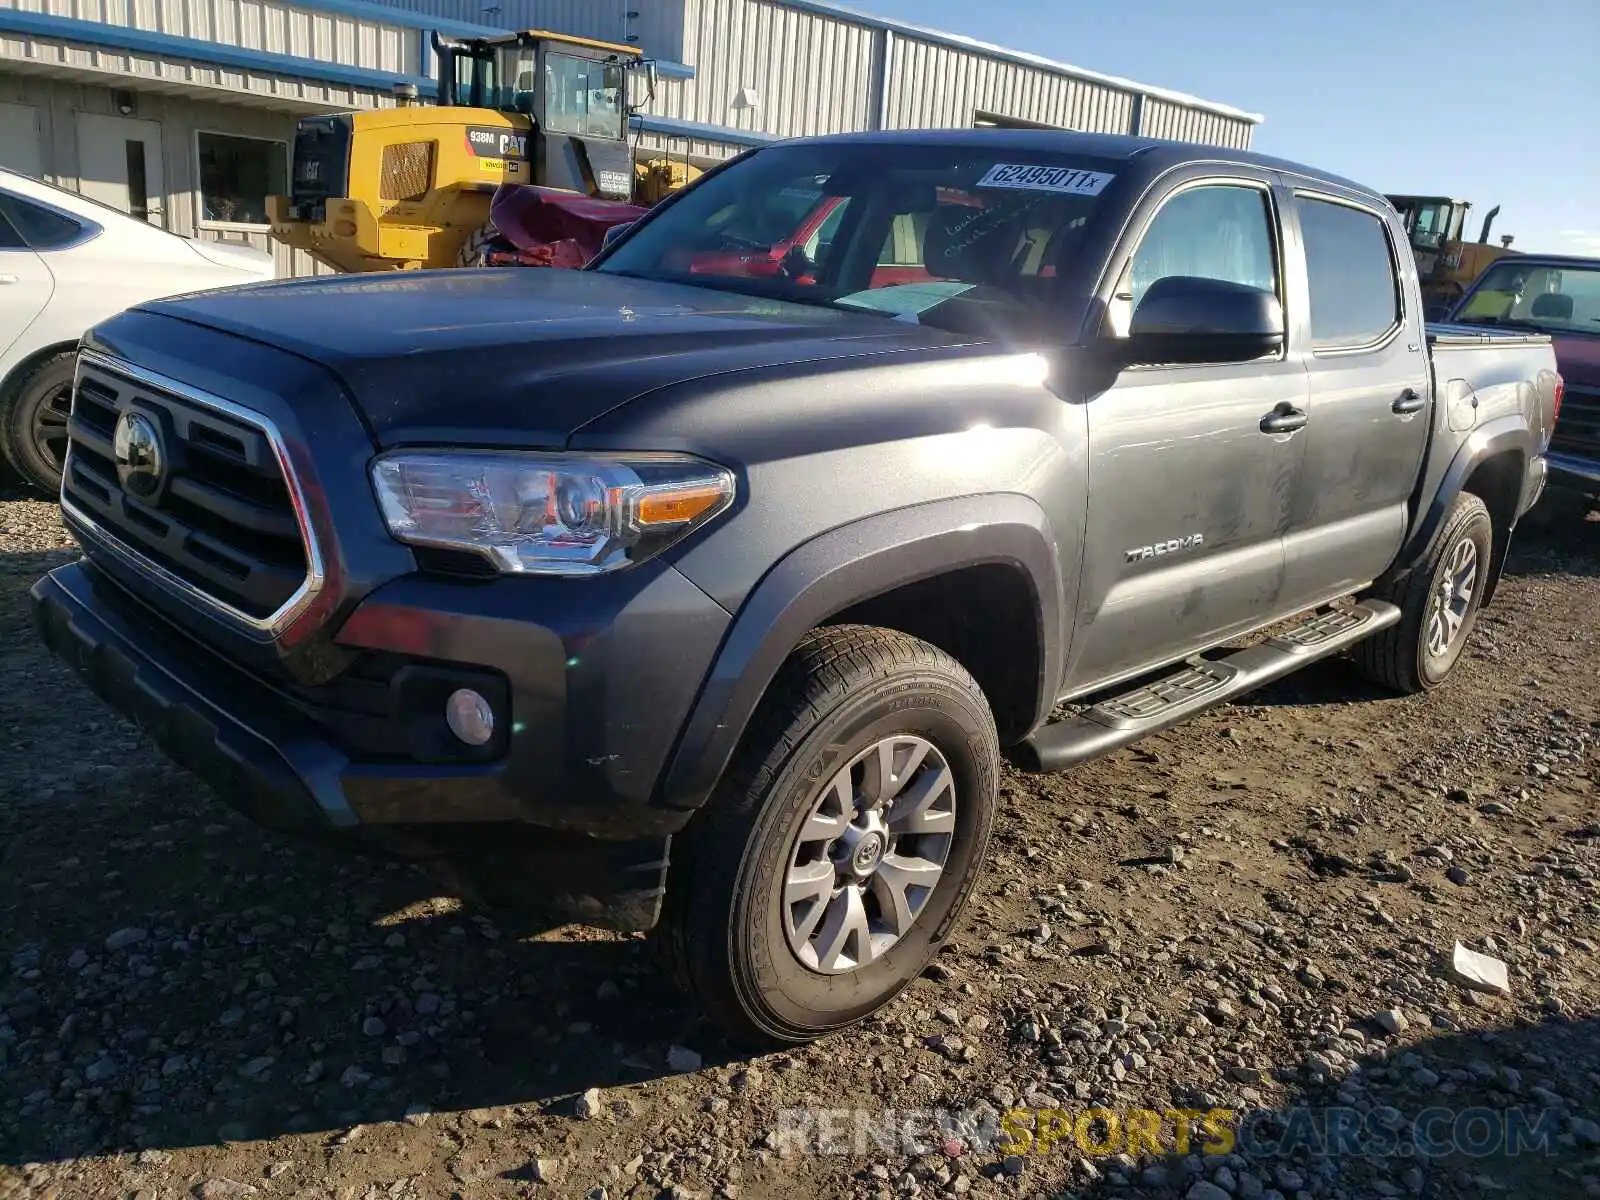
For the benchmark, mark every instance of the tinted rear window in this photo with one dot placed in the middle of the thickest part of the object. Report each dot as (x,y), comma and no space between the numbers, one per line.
(42,228)
(1355,295)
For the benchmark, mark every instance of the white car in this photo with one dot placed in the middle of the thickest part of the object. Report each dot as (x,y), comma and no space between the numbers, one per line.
(66,264)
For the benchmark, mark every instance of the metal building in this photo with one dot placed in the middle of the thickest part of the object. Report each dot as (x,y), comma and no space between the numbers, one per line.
(183,111)
(737,72)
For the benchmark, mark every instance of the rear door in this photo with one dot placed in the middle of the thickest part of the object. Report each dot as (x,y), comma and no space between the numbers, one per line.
(1369,393)
(1189,494)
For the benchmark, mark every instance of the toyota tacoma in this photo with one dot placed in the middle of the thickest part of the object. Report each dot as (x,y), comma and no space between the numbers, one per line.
(709,601)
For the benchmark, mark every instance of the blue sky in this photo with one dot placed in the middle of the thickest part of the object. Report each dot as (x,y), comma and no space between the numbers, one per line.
(1492,101)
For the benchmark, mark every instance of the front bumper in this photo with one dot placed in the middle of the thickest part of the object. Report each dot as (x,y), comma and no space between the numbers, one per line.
(581,824)
(274,768)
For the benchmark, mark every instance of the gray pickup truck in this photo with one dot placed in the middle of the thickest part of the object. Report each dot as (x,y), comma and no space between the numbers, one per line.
(703,589)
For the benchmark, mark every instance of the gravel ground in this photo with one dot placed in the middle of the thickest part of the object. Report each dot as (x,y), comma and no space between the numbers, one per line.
(1255,912)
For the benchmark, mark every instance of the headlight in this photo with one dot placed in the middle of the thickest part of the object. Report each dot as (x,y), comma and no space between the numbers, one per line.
(548,514)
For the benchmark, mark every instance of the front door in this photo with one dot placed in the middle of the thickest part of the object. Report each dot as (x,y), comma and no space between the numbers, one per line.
(119,163)
(1369,386)
(1188,492)
(25,282)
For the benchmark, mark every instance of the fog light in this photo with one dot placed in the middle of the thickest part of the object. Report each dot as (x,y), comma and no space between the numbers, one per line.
(469,716)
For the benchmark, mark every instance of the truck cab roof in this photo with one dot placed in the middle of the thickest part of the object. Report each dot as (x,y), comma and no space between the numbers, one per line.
(1150,156)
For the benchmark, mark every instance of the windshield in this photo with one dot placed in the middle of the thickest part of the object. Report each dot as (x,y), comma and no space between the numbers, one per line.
(898,230)
(1554,299)
(582,96)
(1431,225)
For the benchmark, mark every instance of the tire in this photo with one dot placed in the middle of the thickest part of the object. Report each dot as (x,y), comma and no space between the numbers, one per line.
(33,420)
(1406,656)
(476,246)
(845,690)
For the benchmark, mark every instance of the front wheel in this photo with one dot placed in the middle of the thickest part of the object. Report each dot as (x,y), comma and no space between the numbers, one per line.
(474,251)
(1438,602)
(843,842)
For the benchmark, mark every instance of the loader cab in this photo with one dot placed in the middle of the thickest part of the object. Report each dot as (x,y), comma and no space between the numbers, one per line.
(1431,221)
(572,91)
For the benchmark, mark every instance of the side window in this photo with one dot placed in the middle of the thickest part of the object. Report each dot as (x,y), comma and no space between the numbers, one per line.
(41,228)
(1220,231)
(10,239)
(1355,294)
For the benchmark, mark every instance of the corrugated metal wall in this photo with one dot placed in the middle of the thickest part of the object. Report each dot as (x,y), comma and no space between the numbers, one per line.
(810,74)
(696,150)
(659,25)
(1164,119)
(58,102)
(145,69)
(266,25)
(935,86)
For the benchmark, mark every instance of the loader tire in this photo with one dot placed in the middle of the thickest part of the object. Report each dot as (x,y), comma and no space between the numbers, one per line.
(474,251)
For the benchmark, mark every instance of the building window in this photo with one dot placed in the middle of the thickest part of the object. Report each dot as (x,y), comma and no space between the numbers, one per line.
(237,174)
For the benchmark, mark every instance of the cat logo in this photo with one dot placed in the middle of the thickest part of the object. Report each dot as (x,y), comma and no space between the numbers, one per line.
(1190,541)
(496,143)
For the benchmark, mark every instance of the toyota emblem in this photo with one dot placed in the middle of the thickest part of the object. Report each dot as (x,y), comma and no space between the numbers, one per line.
(141,462)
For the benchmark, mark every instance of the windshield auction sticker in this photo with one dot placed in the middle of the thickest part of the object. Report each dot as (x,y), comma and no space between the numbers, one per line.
(1046,179)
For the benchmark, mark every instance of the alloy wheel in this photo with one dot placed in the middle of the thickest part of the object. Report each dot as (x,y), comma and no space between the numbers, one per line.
(869,854)
(49,426)
(1452,598)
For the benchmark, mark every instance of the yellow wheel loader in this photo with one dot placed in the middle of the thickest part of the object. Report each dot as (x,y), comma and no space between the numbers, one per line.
(1446,264)
(409,187)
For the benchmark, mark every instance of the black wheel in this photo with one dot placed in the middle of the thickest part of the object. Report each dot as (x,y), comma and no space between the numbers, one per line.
(474,251)
(843,842)
(33,421)
(1438,602)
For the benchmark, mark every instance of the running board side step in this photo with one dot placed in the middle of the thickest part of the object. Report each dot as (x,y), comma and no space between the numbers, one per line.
(1201,683)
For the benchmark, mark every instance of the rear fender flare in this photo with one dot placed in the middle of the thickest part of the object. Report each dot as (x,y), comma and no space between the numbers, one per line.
(1492,439)
(842,568)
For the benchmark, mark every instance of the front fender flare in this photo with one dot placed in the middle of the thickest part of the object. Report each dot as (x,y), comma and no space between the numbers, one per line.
(844,567)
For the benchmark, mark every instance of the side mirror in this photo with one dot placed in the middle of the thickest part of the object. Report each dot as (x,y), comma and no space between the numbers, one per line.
(613,234)
(1186,319)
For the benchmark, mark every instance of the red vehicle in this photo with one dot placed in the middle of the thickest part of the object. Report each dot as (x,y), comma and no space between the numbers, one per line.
(752,255)
(1556,295)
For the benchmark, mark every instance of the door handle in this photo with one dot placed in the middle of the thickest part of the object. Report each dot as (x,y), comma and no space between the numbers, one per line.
(1284,419)
(1409,401)
(9,279)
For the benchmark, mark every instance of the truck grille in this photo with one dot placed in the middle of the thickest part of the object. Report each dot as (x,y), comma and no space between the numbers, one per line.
(215,513)
(1578,426)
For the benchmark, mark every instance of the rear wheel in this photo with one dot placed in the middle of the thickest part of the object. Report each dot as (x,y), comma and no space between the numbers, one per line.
(843,842)
(34,412)
(1438,602)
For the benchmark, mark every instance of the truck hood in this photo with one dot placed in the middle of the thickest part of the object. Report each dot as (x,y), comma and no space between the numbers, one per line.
(527,356)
